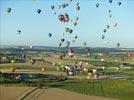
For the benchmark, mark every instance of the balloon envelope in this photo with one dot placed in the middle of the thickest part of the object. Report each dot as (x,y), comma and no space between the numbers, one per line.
(39,11)
(9,10)
(49,34)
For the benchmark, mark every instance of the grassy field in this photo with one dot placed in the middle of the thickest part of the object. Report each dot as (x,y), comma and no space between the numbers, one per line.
(120,89)
(28,67)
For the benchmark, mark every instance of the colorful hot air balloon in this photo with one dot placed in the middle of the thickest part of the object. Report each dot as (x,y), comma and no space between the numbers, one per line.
(66,29)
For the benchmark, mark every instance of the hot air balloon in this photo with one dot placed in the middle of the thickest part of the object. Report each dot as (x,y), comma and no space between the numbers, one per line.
(84,44)
(66,29)
(60,44)
(78,4)
(73,41)
(50,35)
(67,44)
(76,37)
(110,1)
(77,8)
(115,24)
(103,36)
(97,5)
(62,40)
(59,6)
(70,31)
(70,52)
(66,17)
(118,45)
(119,3)
(109,11)
(107,26)
(52,7)
(75,23)
(104,30)
(19,31)
(9,10)
(33,61)
(77,18)
(39,11)
(63,5)
(110,15)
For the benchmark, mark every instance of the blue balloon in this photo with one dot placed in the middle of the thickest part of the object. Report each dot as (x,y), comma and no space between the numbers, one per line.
(50,34)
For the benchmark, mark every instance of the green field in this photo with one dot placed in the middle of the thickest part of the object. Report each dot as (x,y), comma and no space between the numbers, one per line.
(120,89)
(28,67)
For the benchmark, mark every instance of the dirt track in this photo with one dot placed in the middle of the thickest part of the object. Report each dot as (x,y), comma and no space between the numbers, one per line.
(12,93)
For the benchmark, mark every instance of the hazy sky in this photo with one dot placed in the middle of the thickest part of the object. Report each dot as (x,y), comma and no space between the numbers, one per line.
(35,27)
